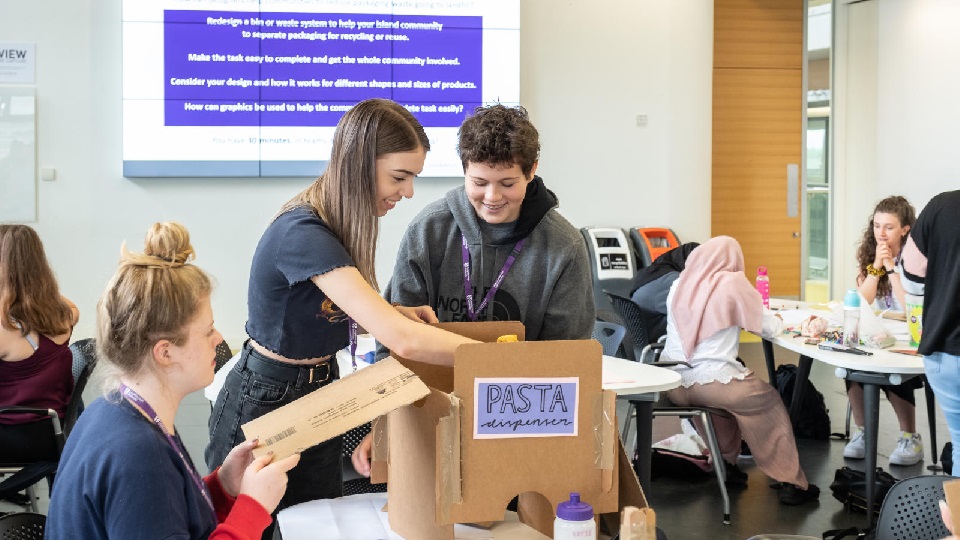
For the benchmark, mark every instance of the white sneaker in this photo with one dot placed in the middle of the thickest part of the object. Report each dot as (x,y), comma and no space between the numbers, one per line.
(909,450)
(855,449)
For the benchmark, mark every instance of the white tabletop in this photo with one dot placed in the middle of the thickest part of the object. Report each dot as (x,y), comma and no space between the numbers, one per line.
(358,517)
(882,360)
(629,377)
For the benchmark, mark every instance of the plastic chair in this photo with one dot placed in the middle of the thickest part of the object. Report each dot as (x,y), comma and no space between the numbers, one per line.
(224,354)
(22,526)
(24,476)
(610,335)
(911,510)
(648,352)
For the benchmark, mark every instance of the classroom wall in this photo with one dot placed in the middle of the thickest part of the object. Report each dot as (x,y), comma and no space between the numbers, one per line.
(896,113)
(589,67)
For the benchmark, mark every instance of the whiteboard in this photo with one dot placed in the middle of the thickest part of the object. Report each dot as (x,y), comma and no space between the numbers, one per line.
(18,154)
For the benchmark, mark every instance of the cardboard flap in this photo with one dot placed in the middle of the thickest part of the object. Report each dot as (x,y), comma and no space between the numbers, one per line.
(335,409)
(441,377)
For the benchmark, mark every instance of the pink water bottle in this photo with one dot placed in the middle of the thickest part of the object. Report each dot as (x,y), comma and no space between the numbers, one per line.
(763,285)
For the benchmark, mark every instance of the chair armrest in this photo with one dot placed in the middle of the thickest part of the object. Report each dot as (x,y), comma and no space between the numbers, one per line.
(52,414)
(672,363)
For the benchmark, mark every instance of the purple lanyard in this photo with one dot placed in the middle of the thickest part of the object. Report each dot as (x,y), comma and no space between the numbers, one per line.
(468,283)
(137,401)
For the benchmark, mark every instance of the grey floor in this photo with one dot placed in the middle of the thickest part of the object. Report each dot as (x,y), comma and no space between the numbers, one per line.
(693,511)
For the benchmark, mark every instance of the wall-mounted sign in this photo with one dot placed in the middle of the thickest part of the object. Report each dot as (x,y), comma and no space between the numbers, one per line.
(17,62)
(525,407)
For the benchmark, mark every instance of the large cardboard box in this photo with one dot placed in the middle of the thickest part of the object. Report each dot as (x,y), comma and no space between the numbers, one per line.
(523,418)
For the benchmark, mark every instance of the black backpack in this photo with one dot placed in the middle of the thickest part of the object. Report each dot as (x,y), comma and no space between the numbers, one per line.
(813,421)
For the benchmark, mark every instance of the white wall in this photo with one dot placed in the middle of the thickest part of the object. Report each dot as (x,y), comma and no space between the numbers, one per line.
(896,95)
(588,68)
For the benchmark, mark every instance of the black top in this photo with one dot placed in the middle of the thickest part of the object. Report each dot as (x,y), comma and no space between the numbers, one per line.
(937,235)
(287,313)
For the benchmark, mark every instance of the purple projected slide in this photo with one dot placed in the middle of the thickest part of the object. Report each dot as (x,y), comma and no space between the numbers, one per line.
(525,407)
(300,69)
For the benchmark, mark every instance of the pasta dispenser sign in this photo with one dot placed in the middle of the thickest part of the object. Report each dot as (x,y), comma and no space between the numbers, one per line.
(525,407)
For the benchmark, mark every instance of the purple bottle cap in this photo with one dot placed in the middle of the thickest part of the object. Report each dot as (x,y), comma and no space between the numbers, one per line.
(574,509)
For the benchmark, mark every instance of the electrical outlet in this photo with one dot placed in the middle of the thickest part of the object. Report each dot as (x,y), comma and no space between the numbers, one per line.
(641,120)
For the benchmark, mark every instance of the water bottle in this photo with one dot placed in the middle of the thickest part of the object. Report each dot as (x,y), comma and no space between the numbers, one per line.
(574,520)
(763,285)
(851,318)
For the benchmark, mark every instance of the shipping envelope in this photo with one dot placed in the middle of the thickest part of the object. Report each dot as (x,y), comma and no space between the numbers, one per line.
(335,409)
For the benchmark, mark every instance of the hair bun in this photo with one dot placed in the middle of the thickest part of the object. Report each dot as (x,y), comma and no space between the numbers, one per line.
(170,242)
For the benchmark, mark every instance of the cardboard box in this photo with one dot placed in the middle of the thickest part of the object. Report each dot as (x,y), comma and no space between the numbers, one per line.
(335,409)
(524,418)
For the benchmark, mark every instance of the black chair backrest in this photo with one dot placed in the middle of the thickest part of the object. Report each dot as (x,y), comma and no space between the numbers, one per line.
(22,526)
(633,320)
(610,335)
(84,361)
(223,355)
(911,510)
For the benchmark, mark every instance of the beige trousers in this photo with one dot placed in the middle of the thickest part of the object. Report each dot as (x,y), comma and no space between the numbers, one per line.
(759,417)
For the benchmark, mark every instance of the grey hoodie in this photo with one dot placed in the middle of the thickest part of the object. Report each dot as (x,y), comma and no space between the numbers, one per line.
(549,287)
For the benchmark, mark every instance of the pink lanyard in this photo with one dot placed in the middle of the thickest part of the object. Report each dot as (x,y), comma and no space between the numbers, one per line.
(137,401)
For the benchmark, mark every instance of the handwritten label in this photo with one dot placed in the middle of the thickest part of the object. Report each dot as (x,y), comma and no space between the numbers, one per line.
(525,407)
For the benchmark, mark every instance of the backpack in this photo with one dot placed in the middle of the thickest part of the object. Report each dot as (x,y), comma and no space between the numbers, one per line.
(813,421)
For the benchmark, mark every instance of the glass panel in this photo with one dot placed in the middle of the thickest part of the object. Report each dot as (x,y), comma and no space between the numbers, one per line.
(819,39)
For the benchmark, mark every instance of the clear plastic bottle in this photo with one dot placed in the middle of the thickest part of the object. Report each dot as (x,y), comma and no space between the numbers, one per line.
(574,520)
(851,318)
(763,285)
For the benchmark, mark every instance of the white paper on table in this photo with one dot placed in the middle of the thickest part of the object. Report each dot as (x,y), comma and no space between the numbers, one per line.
(357,517)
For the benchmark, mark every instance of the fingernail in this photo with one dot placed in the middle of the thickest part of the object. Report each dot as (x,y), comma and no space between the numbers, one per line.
(256,440)
(943,505)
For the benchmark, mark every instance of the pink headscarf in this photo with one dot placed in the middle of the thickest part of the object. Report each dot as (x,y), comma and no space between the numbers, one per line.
(714,294)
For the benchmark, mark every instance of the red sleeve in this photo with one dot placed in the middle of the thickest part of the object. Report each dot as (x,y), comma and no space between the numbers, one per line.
(242,518)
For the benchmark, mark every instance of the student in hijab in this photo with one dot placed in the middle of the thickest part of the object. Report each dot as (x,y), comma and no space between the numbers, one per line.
(707,306)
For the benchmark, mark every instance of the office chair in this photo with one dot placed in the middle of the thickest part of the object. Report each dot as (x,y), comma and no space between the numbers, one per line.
(224,354)
(24,476)
(648,353)
(610,335)
(22,526)
(911,510)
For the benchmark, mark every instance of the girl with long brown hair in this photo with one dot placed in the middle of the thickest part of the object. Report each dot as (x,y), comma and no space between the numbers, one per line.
(878,282)
(312,284)
(36,322)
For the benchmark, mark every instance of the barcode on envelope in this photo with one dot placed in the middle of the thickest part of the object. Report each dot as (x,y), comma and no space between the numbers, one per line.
(281,436)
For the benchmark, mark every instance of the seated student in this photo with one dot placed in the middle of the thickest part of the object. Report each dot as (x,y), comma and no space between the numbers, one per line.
(477,253)
(125,472)
(887,231)
(35,358)
(652,283)
(708,305)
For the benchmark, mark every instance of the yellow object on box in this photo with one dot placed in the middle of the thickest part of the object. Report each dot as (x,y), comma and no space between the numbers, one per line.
(914,313)
(509,338)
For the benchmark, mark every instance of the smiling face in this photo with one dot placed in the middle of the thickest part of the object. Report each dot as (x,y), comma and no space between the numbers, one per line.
(496,192)
(395,174)
(197,354)
(888,230)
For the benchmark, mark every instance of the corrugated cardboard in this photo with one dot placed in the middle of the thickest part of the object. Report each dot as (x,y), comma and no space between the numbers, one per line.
(439,474)
(335,409)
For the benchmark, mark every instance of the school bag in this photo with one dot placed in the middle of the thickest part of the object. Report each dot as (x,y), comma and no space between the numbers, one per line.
(813,422)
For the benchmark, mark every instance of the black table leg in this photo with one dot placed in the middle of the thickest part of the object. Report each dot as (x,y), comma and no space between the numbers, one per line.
(771,366)
(644,425)
(871,410)
(799,386)
(932,422)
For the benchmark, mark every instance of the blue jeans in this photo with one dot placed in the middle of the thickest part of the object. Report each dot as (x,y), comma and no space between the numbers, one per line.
(258,385)
(943,374)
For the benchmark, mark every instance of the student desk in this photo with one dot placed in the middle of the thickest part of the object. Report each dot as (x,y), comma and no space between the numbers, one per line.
(883,367)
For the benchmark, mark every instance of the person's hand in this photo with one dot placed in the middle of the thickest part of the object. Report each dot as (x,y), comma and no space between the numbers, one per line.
(266,482)
(418,313)
(947,519)
(234,466)
(883,258)
(361,455)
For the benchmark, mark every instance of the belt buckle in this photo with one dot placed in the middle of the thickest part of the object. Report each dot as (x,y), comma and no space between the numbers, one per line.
(325,378)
